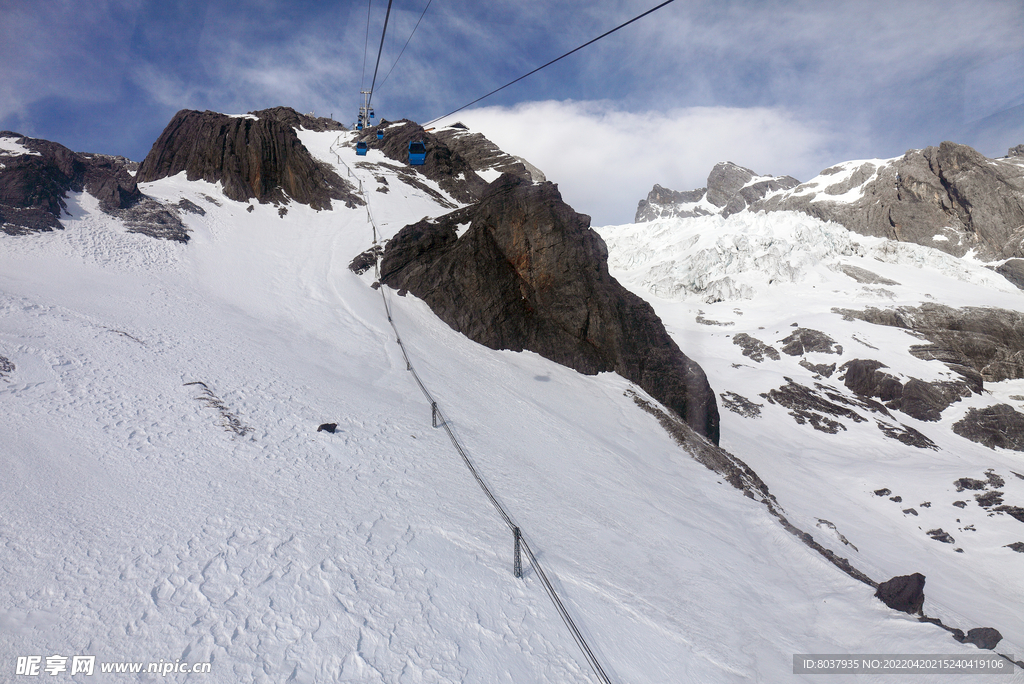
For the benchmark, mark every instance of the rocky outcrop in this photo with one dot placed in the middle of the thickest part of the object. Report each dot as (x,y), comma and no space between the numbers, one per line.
(483,155)
(805,341)
(904,593)
(994,426)
(978,343)
(443,165)
(529,273)
(34,187)
(294,119)
(949,197)
(917,398)
(731,188)
(256,156)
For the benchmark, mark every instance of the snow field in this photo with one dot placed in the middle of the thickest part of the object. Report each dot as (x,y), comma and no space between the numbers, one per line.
(135,526)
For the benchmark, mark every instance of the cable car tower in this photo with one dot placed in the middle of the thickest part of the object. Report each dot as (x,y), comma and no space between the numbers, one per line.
(365,112)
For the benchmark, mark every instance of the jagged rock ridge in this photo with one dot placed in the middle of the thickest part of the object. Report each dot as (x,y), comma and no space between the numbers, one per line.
(529,273)
(34,186)
(256,156)
(731,188)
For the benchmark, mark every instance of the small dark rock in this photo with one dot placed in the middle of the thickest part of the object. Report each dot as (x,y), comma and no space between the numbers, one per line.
(989,499)
(804,341)
(960,504)
(968,483)
(820,368)
(754,348)
(1013,511)
(883,492)
(897,499)
(909,511)
(939,535)
(904,593)
(958,634)
(739,404)
(1016,546)
(994,479)
(364,262)
(926,504)
(190,207)
(983,637)
(328,427)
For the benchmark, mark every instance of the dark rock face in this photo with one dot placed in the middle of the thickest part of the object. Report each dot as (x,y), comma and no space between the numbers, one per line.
(252,156)
(294,119)
(917,398)
(904,593)
(942,536)
(33,189)
(529,273)
(328,427)
(995,426)
(731,188)
(737,403)
(804,341)
(481,154)
(443,165)
(754,348)
(950,191)
(982,637)
(979,343)
(1012,270)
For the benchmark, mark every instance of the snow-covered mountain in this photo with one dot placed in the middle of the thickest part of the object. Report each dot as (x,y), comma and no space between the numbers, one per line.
(169,498)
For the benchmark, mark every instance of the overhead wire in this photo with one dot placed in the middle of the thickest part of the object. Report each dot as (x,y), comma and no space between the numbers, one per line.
(406,43)
(366,44)
(589,42)
(383,33)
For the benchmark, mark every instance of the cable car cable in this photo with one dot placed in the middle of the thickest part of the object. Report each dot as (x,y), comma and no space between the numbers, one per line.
(379,51)
(641,16)
(406,43)
(366,43)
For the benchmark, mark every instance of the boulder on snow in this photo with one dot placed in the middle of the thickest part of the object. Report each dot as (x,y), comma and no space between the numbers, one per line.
(328,427)
(982,637)
(994,426)
(904,593)
(530,273)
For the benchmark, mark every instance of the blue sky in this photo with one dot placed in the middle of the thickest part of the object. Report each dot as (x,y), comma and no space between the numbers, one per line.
(782,87)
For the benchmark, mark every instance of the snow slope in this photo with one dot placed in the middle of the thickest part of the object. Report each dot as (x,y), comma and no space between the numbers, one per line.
(145,517)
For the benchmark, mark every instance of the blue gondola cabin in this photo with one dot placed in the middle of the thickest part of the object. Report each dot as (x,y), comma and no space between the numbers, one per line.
(417,153)
(361,149)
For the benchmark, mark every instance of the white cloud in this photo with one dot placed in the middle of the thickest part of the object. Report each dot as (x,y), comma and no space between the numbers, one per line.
(606,160)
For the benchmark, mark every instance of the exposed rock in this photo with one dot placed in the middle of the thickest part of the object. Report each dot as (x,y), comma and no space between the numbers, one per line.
(994,426)
(968,483)
(904,593)
(741,405)
(1016,546)
(804,341)
(1017,151)
(909,511)
(258,156)
(939,535)
(443,165)
(883,492)
(825,370)
(6,368)
(808,406)
(328,427)
(907,435)
(482,154)
(979,343)
(1012,270)
(190,207)
(294,119)
(529,273)
(989,499)
(862,275)
(917,398)
(364,262)
(731,188)
(993,478)
(983,637)
(897,499)
(1013,511)
(33,187)
(948,197)
(960,504)
(754,348)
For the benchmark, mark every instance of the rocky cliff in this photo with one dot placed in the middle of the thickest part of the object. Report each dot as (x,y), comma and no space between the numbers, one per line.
(37,175)
(949,197)
(731,188)
(519,269)
(255,156)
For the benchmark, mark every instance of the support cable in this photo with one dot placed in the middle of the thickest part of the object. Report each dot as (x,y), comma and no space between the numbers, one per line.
(383,33)
(589,42)
(366,43)
(406,43)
